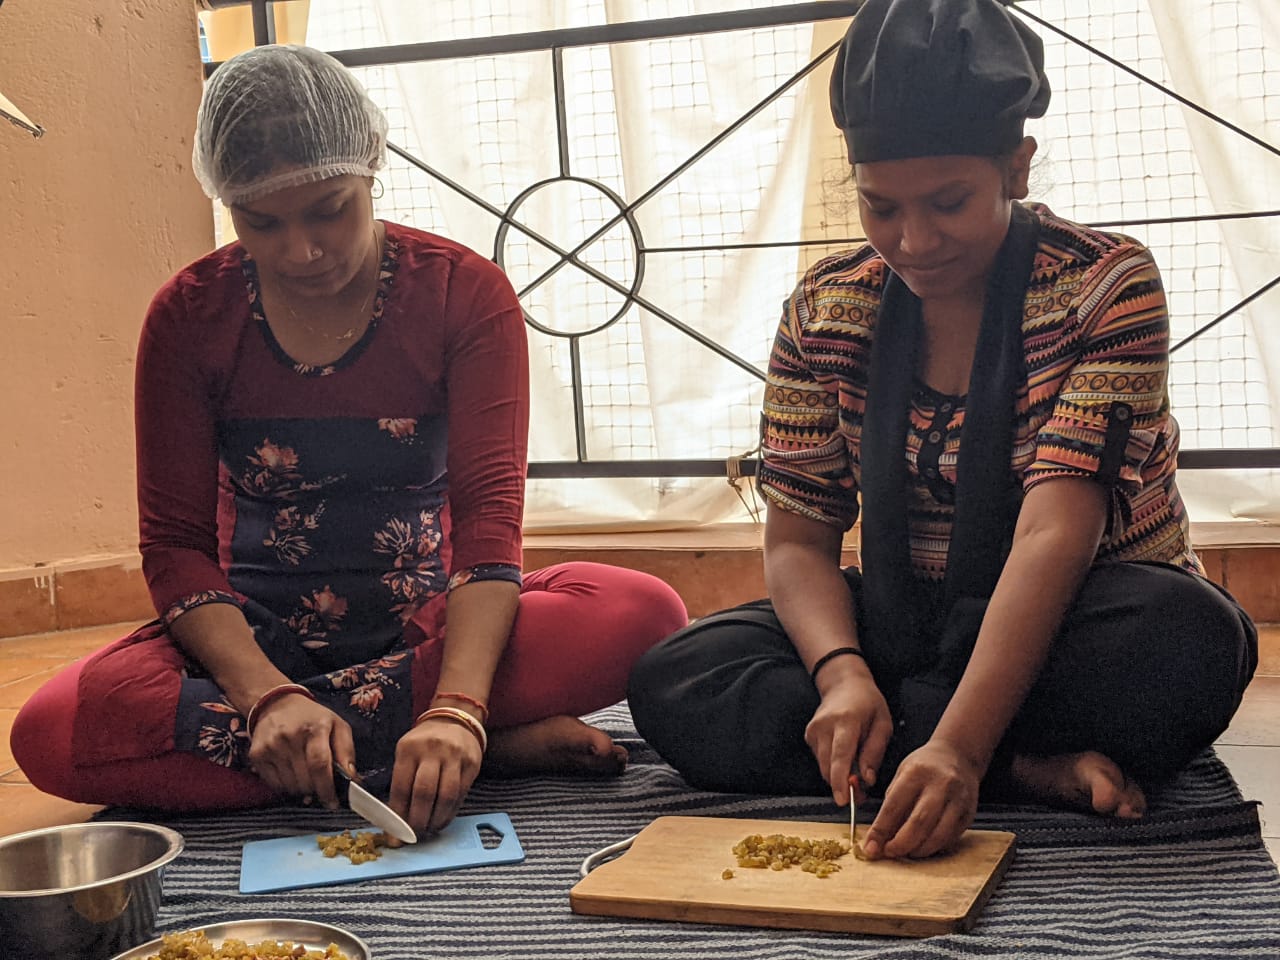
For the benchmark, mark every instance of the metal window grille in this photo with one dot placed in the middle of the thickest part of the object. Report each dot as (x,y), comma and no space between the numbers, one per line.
(1116,149)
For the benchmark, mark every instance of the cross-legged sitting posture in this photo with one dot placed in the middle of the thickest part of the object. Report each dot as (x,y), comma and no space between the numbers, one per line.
(986,384)
(332,416)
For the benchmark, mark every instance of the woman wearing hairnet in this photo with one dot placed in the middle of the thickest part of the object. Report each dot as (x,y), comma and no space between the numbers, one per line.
(331,433)
(987,383)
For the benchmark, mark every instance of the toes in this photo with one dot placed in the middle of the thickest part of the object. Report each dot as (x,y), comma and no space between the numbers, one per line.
(610,761)
(1106,785)
(620,757)
(1113,793)
(1087,781)
(597,742)
(1133,802)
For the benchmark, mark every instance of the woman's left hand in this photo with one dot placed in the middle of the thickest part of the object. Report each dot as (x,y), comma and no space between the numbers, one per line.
(436,763)
(930,803)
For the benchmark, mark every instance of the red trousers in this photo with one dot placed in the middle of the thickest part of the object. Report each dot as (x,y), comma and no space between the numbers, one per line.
(578,630)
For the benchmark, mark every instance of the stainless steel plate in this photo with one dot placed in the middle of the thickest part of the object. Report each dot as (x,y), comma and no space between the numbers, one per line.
(313,936)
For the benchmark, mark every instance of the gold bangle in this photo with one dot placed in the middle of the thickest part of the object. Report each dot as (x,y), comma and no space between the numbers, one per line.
(457,716)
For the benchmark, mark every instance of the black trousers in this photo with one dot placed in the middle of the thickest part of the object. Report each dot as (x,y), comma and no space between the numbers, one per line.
(1148,668)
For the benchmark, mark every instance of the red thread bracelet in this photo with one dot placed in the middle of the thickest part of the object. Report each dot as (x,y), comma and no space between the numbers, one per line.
(466,698)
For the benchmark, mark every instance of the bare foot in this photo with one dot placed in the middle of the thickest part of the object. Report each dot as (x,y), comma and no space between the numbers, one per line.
(1086,781)
(554,745)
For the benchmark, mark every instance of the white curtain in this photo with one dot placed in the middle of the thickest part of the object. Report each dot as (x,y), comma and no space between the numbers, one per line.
(1113,148)
(1225,57)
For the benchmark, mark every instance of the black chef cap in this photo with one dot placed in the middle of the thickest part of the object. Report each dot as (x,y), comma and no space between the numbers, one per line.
(927,78)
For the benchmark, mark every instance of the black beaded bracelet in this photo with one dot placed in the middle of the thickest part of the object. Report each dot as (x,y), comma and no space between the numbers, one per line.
(831,655)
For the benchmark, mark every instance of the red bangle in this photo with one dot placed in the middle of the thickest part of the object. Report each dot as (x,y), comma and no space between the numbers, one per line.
(466,698)
(275,693)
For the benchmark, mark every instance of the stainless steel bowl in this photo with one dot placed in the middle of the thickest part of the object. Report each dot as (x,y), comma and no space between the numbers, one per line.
(307,933)
(86,891)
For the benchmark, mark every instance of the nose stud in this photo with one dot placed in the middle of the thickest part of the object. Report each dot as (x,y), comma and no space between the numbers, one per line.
(315,253)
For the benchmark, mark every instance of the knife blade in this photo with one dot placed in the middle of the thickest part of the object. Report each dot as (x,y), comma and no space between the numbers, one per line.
(853,811)
(365,805)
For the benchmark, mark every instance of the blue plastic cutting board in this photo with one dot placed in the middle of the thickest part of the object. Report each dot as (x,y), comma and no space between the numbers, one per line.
(289,863)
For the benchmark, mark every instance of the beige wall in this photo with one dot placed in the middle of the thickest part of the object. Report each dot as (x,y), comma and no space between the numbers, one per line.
(95,216)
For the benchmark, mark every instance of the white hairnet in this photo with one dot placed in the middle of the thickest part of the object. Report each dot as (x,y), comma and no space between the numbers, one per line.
(282,115)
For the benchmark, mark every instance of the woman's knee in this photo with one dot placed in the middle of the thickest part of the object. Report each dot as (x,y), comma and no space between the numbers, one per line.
(1149,669)
(40,739)
(709,668)
(653,605)
(1210,637)
(637,609)
(726,704)
(1165,620)
(713,650)
(657,670)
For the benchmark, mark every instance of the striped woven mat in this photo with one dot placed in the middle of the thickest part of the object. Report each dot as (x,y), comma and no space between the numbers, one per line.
(1192,880)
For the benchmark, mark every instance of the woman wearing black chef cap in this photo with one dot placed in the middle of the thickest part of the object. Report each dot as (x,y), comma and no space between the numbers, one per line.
(985,385)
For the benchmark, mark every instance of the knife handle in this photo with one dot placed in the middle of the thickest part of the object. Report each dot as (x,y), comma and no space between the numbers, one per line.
(341,781)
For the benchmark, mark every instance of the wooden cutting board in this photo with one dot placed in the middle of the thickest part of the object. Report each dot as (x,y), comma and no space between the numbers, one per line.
(674,868)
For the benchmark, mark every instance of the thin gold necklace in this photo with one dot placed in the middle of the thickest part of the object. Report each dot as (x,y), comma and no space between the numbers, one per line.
(362,317)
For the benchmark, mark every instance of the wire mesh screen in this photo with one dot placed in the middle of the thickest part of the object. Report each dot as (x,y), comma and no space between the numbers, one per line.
(584,331)
(716,245)
(1116,149)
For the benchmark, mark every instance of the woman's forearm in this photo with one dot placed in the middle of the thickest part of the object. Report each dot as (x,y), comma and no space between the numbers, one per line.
(479,616)
(1046,565)
(806,585)
(812,600)
(219,637)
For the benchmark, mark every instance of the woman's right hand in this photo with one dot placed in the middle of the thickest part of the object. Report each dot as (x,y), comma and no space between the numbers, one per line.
(295,743)
(850,730)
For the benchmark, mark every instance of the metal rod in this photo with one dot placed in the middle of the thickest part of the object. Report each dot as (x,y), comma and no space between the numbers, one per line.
(832,241)
(21,120)
(604,278)
(264,28)
(1222,316)
(761,245)
(788,15)
(539,40)
(561,469)
(1167,91)
(579,402)
(1234,458)
(1242,458)
(697,155)
(562,119)
(1196,218)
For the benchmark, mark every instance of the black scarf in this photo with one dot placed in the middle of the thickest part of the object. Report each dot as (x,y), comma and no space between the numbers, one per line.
(906,619)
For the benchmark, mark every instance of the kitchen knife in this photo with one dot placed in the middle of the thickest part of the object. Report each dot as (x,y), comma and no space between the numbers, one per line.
(366,805)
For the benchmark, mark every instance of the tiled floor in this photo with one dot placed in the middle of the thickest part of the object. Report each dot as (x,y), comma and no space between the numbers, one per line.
(1251,747)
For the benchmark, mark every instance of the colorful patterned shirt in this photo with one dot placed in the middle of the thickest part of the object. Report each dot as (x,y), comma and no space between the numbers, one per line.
(1095,331)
